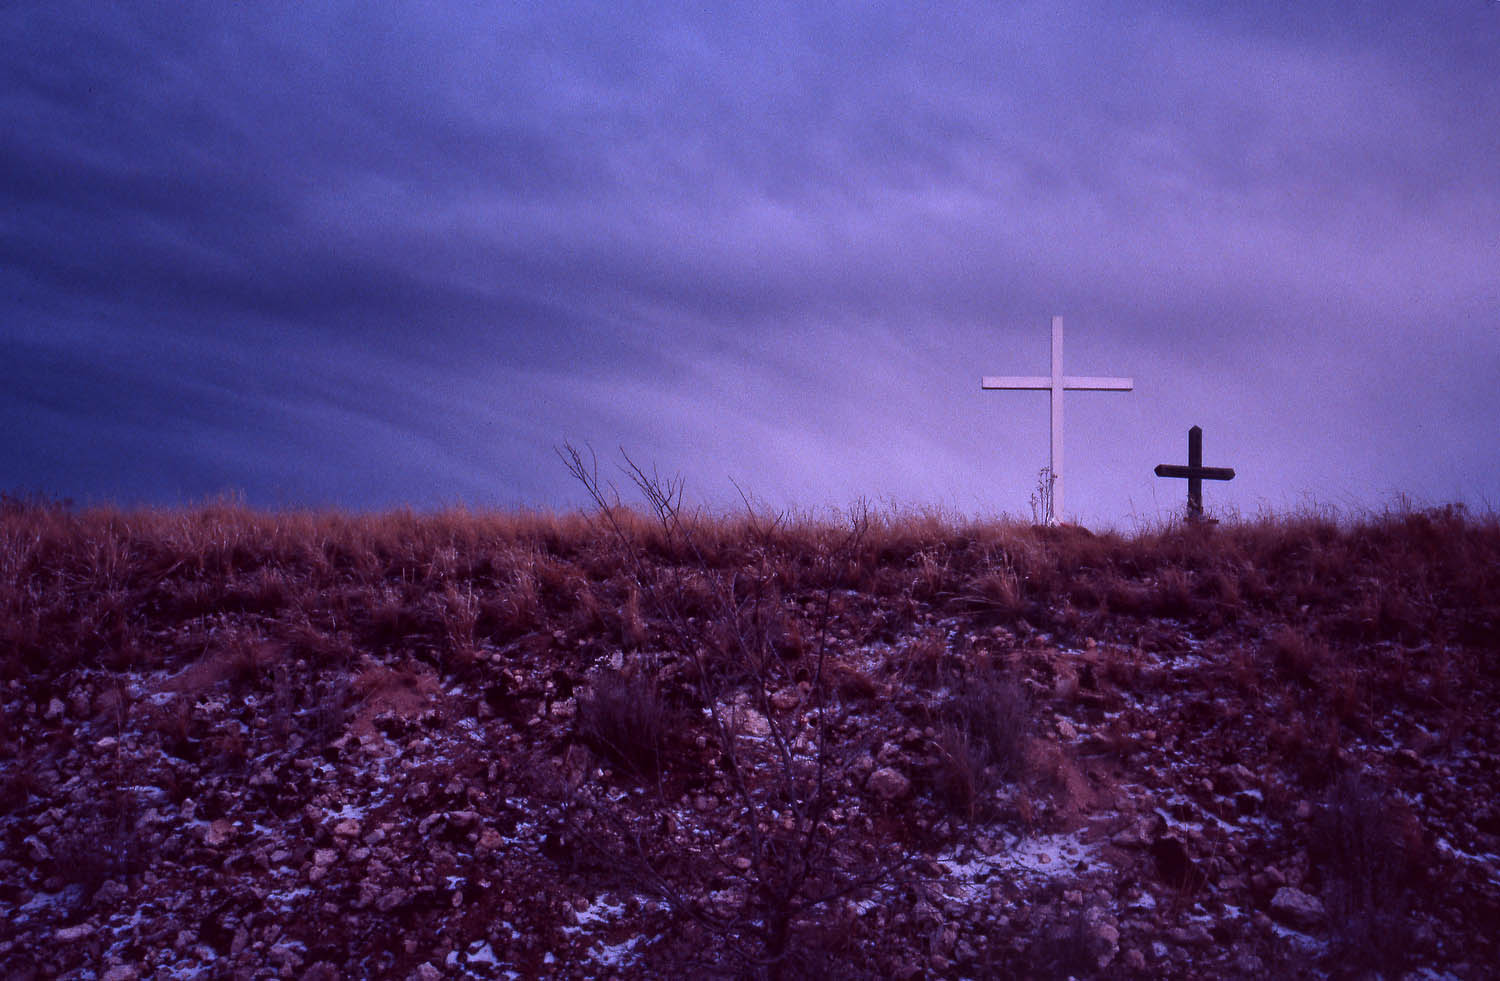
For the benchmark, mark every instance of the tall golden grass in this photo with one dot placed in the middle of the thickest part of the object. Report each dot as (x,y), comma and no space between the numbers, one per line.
(122,586)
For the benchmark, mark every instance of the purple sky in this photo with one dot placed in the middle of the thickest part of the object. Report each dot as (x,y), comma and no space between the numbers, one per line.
(372,254)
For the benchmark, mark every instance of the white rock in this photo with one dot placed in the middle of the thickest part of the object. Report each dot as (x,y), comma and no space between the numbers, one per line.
(1295,907)
(888,783)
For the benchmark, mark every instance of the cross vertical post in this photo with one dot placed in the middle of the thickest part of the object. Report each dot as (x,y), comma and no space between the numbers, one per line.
(1195,464)
(1056,383)
(1055,444)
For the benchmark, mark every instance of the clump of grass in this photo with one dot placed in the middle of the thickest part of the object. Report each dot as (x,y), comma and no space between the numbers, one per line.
(1298,656)
(623,717)
(982,741)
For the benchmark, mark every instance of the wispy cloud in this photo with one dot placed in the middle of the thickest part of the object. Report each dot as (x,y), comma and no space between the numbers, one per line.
(252,247)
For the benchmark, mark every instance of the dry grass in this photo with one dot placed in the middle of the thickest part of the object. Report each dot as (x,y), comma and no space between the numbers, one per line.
(152,589)
(336,622)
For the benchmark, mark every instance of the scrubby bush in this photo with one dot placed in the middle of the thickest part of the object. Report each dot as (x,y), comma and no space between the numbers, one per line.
(1366,846)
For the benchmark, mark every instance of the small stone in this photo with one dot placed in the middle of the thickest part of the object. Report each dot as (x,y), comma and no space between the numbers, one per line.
(1297,908)
(1195,935)
(121,972)
(1065,730)
(426,972)
(888,783)
(390,900)
(218,833)
(348,828)
(1135,960)
(751,723)
(73,934)
(325,857)
(54,710)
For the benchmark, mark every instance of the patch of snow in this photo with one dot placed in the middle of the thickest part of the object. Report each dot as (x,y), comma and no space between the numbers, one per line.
(1489,861)
(616,955)
(66,897)
(286,897)
(1050,855)
(349,812)
(599,911)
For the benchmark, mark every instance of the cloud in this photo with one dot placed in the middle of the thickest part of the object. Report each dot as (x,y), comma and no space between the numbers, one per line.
(766,239)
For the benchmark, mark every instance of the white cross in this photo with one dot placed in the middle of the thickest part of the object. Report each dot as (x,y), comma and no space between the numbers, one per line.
(1056,384)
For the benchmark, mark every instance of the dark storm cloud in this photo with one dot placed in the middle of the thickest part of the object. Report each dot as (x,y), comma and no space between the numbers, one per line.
(354,253)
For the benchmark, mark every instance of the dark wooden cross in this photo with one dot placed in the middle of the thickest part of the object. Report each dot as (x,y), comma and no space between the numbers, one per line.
(1195,472)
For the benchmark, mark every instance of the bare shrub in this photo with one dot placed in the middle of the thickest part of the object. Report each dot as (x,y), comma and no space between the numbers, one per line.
(788,855)
(1366,846)
(1068,948)
(330,710)
(99,841)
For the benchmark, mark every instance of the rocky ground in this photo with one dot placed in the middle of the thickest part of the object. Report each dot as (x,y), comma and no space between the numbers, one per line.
(938,753)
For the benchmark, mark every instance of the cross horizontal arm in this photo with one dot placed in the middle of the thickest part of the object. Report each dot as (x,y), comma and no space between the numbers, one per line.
(1016,381)
(1199,473)
(1088,383)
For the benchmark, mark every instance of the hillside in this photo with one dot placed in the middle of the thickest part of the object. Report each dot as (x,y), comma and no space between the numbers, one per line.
(651,744)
